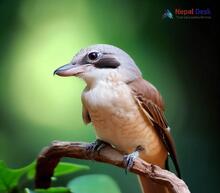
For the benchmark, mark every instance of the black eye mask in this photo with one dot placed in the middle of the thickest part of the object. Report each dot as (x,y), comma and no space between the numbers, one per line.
(107,62)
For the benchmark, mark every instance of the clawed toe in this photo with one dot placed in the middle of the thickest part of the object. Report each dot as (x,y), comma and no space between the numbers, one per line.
(96,146)
(129,160)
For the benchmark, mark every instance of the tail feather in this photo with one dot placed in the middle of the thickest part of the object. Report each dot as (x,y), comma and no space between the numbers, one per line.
(148,186)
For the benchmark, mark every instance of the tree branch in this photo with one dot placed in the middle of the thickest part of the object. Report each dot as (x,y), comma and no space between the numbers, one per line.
(50,157)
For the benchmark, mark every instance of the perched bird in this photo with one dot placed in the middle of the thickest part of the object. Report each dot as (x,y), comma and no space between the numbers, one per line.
(125,110)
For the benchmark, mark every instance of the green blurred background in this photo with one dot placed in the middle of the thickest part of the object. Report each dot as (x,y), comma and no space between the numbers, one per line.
(178,56)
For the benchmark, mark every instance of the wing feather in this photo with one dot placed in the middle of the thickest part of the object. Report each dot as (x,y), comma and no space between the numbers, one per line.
(85,115)
(151,103)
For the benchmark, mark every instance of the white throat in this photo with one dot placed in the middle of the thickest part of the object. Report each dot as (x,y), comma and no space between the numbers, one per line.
(93,78)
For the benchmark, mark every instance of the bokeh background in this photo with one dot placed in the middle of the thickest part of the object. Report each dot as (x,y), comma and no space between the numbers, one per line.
(178,56)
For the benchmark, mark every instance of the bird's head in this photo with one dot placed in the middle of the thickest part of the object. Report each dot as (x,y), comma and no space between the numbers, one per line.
(97,62)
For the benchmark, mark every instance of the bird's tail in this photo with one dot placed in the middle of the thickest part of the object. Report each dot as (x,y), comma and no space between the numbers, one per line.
(148,186)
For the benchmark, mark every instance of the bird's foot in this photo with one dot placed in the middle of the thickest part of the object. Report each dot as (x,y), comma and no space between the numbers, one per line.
(96,146)
(129,159)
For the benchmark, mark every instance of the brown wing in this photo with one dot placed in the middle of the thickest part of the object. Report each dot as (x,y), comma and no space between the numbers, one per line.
(150,101)
(85,115)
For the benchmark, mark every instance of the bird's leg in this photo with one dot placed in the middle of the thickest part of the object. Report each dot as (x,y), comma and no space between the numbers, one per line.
(97,145)
(129,159)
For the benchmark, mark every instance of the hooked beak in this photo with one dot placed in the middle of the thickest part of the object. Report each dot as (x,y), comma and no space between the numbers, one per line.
(69,70)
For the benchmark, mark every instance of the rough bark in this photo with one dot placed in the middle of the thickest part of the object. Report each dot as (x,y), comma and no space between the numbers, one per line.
(50,157)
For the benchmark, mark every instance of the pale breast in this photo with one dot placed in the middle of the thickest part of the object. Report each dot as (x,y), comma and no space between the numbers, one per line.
(118,120)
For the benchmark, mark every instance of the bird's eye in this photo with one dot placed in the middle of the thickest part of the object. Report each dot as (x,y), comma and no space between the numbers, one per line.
(93,55)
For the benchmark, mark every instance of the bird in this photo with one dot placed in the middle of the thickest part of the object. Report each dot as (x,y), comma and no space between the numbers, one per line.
(126,110)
